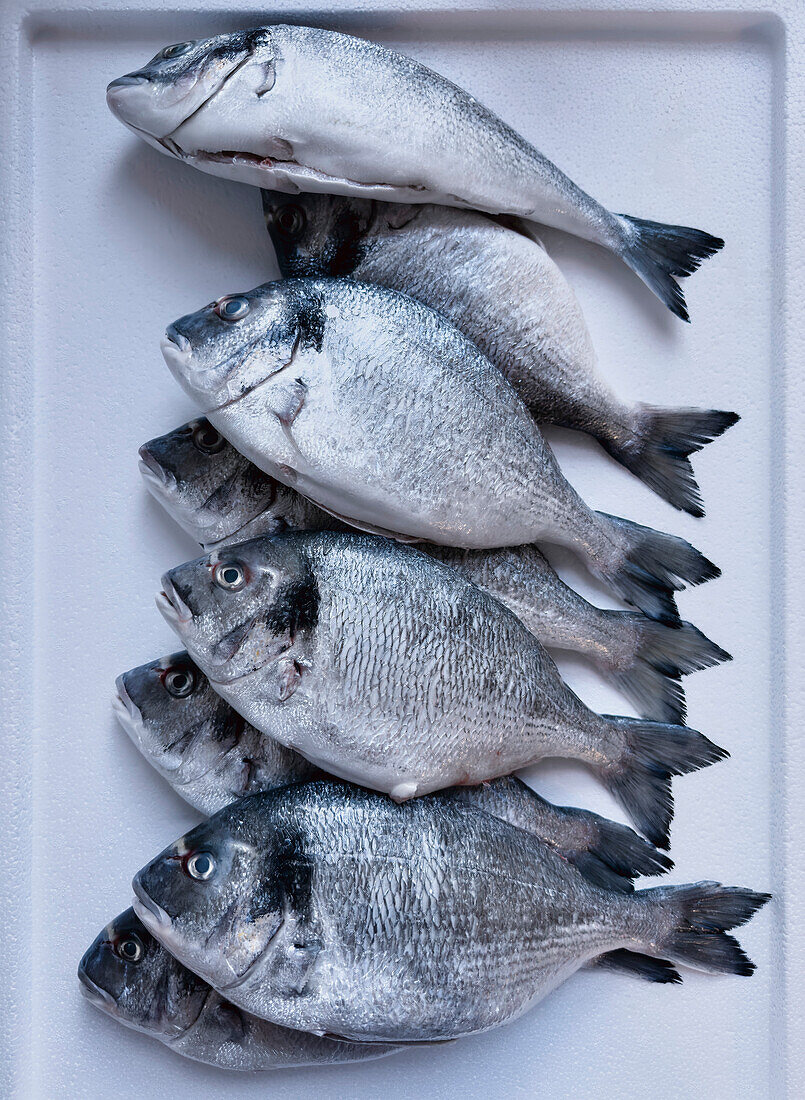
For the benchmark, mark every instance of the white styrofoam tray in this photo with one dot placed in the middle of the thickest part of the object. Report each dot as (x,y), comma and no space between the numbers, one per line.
(693,114)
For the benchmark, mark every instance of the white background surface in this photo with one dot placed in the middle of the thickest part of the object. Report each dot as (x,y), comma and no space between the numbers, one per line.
(107,241)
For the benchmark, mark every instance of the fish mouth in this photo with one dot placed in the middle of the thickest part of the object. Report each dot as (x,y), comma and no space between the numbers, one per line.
(127,81)
(126,711)
(153,916)
(171,605)
(154,474)
(94,993)
(176,350)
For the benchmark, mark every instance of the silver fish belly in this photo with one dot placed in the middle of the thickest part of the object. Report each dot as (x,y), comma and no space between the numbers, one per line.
(333,910)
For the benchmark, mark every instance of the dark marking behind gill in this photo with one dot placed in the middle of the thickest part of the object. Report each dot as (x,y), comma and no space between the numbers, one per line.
(310,321)
(286,880)
(295,874)
(345,246)
(228,725)
(295,607)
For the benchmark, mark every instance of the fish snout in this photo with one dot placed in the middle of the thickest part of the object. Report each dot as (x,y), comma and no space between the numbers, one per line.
(126,710)
(123,96)
(93,992)
(155,475)
(150,913)
(171,601)
(177,351)
(127,81)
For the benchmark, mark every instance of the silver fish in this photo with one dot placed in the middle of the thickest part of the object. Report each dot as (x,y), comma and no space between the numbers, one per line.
(501,288)
(336,911)
(207,752)
(389,669)
(216,495)
(305,109)
(380,411)
(170,711)
(129,975)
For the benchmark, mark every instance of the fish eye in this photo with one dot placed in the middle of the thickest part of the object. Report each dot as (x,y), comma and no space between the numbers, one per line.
(130,949)
(200,866)
(175,51)
(232,308)
(290,221)
(229,575)
(179,682)
(207,440)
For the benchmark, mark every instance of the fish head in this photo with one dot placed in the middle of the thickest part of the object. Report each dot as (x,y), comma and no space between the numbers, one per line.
(241,608)
(128,974)
(175,718)
(212,898)
(208,487)
(223,351)
(179,81)
(315,234)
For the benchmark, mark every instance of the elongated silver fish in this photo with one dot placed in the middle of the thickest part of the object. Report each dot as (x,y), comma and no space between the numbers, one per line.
(379,410)
(211,757)
(216,495)
(304,109)
(499,286)
(129,975)
(334,910)
(390,669)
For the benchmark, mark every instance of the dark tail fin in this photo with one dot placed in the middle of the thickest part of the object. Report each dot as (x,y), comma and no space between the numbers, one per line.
(641,966)
(614,854)
(658,452)
(654,566)
(663,654)
(693,921)
(608,854)
(641,778)
(660,254)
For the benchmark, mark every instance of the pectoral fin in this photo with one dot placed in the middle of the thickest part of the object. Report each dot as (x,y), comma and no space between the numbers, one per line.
(290,677)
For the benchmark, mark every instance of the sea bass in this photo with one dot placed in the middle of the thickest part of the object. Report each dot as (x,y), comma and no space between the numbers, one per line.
(212,757)
(220,498)
(305,109)
(380,411)
(336,911)
(501,288)
(389,669)
(129,975)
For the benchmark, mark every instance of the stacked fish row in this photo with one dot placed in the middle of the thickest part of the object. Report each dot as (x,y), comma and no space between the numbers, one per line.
(388,391)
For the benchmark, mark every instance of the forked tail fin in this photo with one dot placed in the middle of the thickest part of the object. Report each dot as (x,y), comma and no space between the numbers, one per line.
(694,921)
(653,566)
(650,676)
(660,254)
(651,755)
(657,451)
